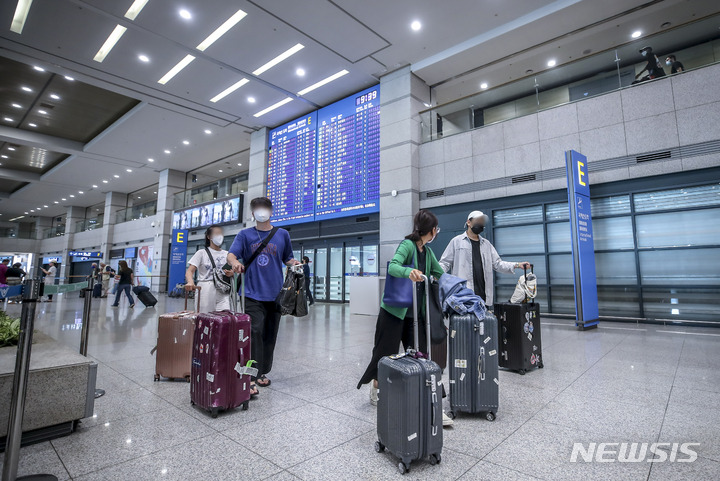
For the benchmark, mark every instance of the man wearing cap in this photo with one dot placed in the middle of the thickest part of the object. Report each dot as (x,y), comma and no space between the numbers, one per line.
(652,67)
(472,257)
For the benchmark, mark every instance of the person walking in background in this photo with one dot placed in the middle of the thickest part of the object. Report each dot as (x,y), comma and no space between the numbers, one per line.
(211,298)
(675,66)
(472,257)
(50,274)
(126,279)
(308,280)
(264,250)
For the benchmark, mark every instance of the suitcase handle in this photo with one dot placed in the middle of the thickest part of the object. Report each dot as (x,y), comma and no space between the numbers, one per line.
(416,335)
(234,293)
(532,271)
(481,364)
(194,288)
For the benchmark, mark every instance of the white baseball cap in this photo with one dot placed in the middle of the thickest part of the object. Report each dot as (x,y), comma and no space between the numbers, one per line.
(477,213)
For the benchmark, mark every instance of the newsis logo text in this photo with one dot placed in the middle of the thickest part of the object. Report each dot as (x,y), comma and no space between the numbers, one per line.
(634,452)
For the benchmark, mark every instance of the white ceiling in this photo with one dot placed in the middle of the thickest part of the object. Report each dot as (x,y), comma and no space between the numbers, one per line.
(367,38)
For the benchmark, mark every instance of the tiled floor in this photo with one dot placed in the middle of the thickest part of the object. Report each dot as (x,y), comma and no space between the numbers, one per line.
(619,383)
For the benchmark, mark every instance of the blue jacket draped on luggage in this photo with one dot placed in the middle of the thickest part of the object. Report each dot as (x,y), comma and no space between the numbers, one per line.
(455,296)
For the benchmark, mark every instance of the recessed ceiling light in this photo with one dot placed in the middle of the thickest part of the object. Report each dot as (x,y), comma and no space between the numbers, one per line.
(32,125)
(416,25)
(44,112)
(135,9)
(186,142)
(286,54)
(323,82)
(229,90)
(45,206)
(63,199)
(166,151)
(300,72)
(185,14)
(128,170)
(176,69)
(72,195)
(105,181)
(143,58)
(67,77)
(483,85)
(55,96)
(32,210)
(26,213)
(109,43)
(94,186)
(221,30)
(551,63)
(220,170)
(154,192)
(239,165)
(11,148)
(273,107)
(139,197)
(4,156)
(21,13)
(636,34)
(17,106)
(251,100)
(151,160)
(7,119)
(116,176)
(26,89)
(80,192)
(39,69)
(208,131)
(56,202)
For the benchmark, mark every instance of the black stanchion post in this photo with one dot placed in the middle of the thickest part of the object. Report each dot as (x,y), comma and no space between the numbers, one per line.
(85,332)
(31,292)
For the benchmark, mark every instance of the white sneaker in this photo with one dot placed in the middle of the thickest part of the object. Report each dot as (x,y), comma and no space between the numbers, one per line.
(447,421)
(373,395)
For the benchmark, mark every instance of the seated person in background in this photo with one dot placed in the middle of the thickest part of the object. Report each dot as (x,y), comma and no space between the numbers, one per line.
(675,66)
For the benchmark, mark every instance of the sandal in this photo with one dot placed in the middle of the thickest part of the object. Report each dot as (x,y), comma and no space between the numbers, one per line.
(253,391)
(265,381)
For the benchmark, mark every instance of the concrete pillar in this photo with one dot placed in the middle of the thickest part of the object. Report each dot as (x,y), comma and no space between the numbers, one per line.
(257,171)
(74,214)
(171,182)
(41,224)
(402,96)
(114,202)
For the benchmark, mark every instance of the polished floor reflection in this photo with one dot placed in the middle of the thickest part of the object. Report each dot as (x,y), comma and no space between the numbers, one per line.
(620,383)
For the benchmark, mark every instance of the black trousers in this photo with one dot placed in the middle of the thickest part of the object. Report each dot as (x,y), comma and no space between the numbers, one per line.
(265,321)
(390,331)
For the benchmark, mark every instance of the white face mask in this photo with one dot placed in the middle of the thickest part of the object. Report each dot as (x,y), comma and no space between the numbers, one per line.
(262,215)
(644,54)
(218,240)
(668,62)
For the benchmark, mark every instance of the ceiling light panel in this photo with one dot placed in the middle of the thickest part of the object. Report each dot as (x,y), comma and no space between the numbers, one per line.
(21,14)
(273,107)
(135,9)
(176,69)
(116,34)
(324,81)
(283,56)
(221,30)
(229,90)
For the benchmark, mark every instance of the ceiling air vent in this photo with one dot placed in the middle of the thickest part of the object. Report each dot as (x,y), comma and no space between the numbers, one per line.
(435,193)
(523,178)
(650,157)
(47,106)
(362,219)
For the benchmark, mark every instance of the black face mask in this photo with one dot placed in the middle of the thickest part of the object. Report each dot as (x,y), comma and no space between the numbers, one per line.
(477,229)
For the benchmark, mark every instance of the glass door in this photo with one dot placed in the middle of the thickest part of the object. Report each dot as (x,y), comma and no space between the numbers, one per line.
(353,266)
(336,280)
(320,272)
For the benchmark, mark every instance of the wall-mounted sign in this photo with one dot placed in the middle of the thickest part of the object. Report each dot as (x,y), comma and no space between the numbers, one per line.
(219,212)
(130,252)
(97,255)
(47,260)
(178,258)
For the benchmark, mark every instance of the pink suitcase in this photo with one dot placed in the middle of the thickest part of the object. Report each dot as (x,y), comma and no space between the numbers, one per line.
(220,377)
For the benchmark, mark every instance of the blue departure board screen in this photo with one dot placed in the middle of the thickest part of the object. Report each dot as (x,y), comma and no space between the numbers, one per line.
(327,164)
(291,170)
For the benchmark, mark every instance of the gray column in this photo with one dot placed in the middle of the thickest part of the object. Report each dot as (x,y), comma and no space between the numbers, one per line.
(114,202)
(171,182)
(402,96)
(74,214)
(257,173)
(41,224)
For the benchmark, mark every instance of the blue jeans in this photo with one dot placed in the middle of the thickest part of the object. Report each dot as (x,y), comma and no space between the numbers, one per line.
(123,288)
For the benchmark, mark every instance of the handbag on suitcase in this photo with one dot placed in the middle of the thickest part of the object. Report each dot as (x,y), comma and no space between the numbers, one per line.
(173,356)
(519,334)
(221,365)
(473,365)
(409,409)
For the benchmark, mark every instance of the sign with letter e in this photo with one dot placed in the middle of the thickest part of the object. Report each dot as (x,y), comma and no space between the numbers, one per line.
(178,258)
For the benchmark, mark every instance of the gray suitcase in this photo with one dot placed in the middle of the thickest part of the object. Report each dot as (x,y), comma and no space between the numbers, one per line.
(474,384)
(409,410)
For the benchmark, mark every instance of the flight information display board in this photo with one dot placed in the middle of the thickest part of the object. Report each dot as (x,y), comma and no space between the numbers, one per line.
(327,164)
(291,170)
(348,172)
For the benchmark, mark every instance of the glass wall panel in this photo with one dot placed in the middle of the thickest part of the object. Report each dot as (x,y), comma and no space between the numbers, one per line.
(613,233)
(681,267)
(321,274)
(672,229)
(559,238)
(561,270)
(503,294)
(557,211)
(353,266)
(538,263)
(613,205)
(700,304)
(516,240)
(615,268)
(370,260)
(523,215)
(563,299)
(688,197)
(618,301)
(336,274)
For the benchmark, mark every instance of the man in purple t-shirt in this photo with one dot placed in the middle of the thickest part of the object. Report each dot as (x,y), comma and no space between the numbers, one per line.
(263,281)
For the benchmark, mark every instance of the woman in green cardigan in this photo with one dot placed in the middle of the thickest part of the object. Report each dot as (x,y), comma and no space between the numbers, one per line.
(395,324)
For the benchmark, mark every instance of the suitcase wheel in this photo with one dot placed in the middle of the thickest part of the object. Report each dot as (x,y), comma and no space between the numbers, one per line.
(451,414)
(490,416)
(192,403)
(187,378)
(541,365)
(379,447)
(522,372)
(403,468)
(435,459)
(214,413)
(157,378)
(245,405)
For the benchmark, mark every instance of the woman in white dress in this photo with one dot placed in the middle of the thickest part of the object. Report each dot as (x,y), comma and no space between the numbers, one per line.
(211,299)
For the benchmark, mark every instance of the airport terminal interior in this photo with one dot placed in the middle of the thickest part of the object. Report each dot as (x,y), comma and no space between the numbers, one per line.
(554,165)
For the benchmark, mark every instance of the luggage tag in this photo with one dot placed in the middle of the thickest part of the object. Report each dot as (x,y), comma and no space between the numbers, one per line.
(246,369)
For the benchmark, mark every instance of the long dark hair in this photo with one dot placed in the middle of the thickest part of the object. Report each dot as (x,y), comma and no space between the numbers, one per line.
(123,267)
(207,234)
(423,223)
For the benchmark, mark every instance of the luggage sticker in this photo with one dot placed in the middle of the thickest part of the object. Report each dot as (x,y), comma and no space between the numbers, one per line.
(206,331)
(184,332)
(526,327)
(487,339)
(496,381)
(529,337)
(492,353)
(534,348)
(207,347)
(452,334)
(452,381)
(201,348)
(176,340)
(210,377)
(412,436)
(461,363)
(533,359)
(196,362)
(462,376)
(532,328)
(240,335)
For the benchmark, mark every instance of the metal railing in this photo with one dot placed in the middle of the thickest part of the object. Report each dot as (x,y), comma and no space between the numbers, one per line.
(57,231)
(88,224)
(207,193)
(17,233)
